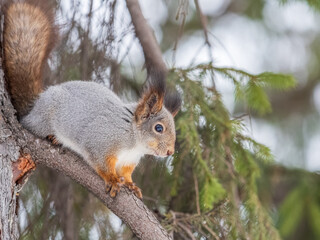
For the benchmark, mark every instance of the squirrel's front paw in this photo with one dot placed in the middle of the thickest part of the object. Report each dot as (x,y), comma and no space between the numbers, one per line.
(132,186)
(113,185)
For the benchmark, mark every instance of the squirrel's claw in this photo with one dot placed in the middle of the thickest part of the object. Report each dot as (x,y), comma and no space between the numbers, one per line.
(114,190)
(136,190)
(113,186)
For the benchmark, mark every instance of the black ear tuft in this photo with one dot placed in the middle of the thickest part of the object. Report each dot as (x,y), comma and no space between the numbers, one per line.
(172,102)
(156,82)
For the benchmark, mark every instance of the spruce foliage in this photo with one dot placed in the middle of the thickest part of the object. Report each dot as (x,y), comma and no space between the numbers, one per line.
(314,4)
(221,156)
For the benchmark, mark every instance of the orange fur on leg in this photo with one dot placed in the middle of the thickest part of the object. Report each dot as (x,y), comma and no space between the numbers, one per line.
(126,172)
(109,175)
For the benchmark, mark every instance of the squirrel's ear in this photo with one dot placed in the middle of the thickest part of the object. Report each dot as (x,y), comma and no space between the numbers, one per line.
(153,97)
(150,103)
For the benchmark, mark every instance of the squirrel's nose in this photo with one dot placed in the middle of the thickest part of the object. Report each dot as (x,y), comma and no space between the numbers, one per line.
(170,152)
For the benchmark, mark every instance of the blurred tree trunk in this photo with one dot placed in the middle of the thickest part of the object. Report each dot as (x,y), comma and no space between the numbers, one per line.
(85,47)
(8,221)
(9,153)
(8,217)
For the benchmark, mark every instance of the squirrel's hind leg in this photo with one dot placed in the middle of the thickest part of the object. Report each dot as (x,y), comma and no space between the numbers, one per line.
(109,175)
(126,172)
(38,120)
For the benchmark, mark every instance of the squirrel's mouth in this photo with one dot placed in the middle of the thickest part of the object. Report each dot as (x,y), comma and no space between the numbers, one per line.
(155,152)
(158,154)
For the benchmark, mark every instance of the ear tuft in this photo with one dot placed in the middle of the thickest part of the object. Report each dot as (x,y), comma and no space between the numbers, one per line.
(172,102)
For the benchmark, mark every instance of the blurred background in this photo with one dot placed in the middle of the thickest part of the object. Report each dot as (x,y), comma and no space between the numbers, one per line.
(248,135)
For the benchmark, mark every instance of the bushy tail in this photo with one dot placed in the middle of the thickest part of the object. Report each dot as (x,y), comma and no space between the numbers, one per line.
(29,36)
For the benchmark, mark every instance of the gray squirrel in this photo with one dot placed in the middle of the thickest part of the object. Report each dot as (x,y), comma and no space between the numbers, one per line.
(86,117)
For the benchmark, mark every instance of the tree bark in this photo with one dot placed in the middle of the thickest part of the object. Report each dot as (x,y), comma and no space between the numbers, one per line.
(9,153)
(16,143)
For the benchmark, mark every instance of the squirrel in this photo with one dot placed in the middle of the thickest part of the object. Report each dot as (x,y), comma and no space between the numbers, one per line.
(86,117)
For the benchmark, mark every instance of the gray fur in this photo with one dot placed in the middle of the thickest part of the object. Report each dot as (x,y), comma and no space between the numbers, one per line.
(91,120)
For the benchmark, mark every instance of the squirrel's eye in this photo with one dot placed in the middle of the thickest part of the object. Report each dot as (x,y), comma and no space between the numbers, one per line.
(159,128)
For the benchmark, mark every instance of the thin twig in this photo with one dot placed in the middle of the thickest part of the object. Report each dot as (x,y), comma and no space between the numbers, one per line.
(204,24)
(182,12)
(211,231)
(186,230)
(197,193)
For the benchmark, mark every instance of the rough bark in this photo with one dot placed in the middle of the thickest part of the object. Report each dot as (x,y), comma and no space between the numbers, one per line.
(16,141)
(9,153)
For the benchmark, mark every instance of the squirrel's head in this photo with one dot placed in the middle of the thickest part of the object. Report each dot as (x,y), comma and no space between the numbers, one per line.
(154,117)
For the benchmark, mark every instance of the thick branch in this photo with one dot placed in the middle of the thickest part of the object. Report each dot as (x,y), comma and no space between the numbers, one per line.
(126,206)
(151,49)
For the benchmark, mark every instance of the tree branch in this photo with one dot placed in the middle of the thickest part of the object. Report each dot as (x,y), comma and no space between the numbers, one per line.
(126,206)
(151,49)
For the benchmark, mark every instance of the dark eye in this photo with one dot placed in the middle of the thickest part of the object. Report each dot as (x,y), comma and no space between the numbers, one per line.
(159,128)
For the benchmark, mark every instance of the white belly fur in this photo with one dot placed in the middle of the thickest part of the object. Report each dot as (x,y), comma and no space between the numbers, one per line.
(125,157)
(130,156)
